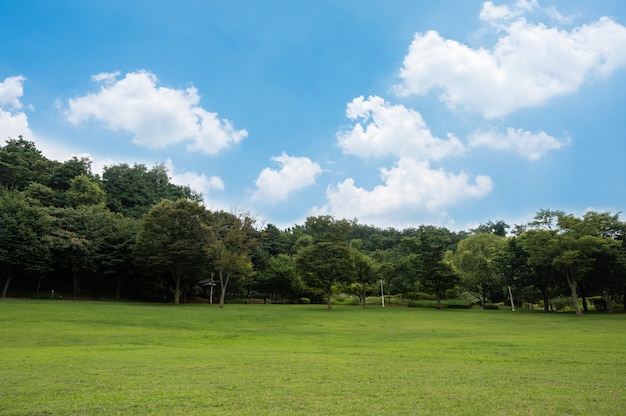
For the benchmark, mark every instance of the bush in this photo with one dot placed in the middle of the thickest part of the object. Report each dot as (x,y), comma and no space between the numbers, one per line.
(422,304)
(459,304)
(304,301)
(46,295)
(599,303)
(419,296)
(491,306)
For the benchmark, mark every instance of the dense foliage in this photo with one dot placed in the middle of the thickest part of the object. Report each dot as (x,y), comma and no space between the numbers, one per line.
(131,233)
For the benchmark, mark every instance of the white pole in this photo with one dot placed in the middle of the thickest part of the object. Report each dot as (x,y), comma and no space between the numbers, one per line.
(511,296)
(382,293)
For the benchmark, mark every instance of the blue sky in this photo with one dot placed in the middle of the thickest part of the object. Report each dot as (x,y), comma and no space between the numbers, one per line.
(396,113)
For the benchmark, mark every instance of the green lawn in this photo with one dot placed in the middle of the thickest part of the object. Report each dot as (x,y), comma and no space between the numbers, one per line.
(99,358)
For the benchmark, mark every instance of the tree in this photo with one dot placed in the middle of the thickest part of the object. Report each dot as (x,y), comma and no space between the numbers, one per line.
(328,259)
(23,244)
(172,239)
(436,275)
(21,164)
(132,190)
(475,261)
(84,191)
(281,276)
(230,243)
(579,240)
(365,270)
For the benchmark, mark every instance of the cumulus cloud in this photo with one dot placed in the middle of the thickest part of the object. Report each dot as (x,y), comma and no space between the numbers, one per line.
(13,123)
(199,183)
(530,145)
(295,173)
(157,116)
(529,64)
(383,129)
(412,191)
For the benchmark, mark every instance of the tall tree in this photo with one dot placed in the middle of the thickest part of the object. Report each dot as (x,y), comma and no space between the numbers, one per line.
(365,271)
(579,240)
(328,259)
(21,164)
(172,239)
(436,275)
(476,262)
(230,243)
(23,244)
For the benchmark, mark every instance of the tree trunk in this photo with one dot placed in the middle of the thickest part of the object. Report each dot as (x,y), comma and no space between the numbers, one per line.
(330,292)
(363,294)
(223,286)
(118,287)
(572,285)
(41,276)
(76,283)
(546,300)
(6,286)
(438,300)
(177,290)
(583,295)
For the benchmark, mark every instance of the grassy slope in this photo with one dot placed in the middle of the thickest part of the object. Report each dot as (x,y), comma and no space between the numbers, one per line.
(72,358)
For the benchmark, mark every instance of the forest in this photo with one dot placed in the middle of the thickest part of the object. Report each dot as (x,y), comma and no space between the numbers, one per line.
(131,234)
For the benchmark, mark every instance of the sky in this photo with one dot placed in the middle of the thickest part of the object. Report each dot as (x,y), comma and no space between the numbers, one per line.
(395,113)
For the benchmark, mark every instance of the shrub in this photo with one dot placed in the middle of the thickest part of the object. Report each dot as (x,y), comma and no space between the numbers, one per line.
(491,306)
(304,301)
(422,304)
(459,304)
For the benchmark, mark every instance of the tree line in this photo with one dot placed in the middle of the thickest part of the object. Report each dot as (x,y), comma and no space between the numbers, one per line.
(130,233)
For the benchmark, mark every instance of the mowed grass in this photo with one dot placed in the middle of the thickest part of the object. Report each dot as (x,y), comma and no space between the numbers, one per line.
(99,358)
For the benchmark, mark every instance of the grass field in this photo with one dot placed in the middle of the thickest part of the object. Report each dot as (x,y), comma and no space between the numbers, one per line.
(99,358)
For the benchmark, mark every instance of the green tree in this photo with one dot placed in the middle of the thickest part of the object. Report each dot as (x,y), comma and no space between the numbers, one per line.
(172,239)
(366,270)
(23,244)
(328,259)
(476,262)
(132,190)
(84,190)
(280,277)
(21,164)
(579,240)
(436,275)
(230,243)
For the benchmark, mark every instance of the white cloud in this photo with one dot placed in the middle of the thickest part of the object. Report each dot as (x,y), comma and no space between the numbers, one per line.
(530,145)
(529,64)
(13,123)
(411,192)
(295,173)
(496,15)
(199,183)
(383,129)
(156,116)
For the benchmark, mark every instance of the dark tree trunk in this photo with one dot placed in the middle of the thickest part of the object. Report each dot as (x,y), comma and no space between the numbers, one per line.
(330,292)
(583,295)
(438,300)
(177,290)
(363,294)
(6,286)
(546,300)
